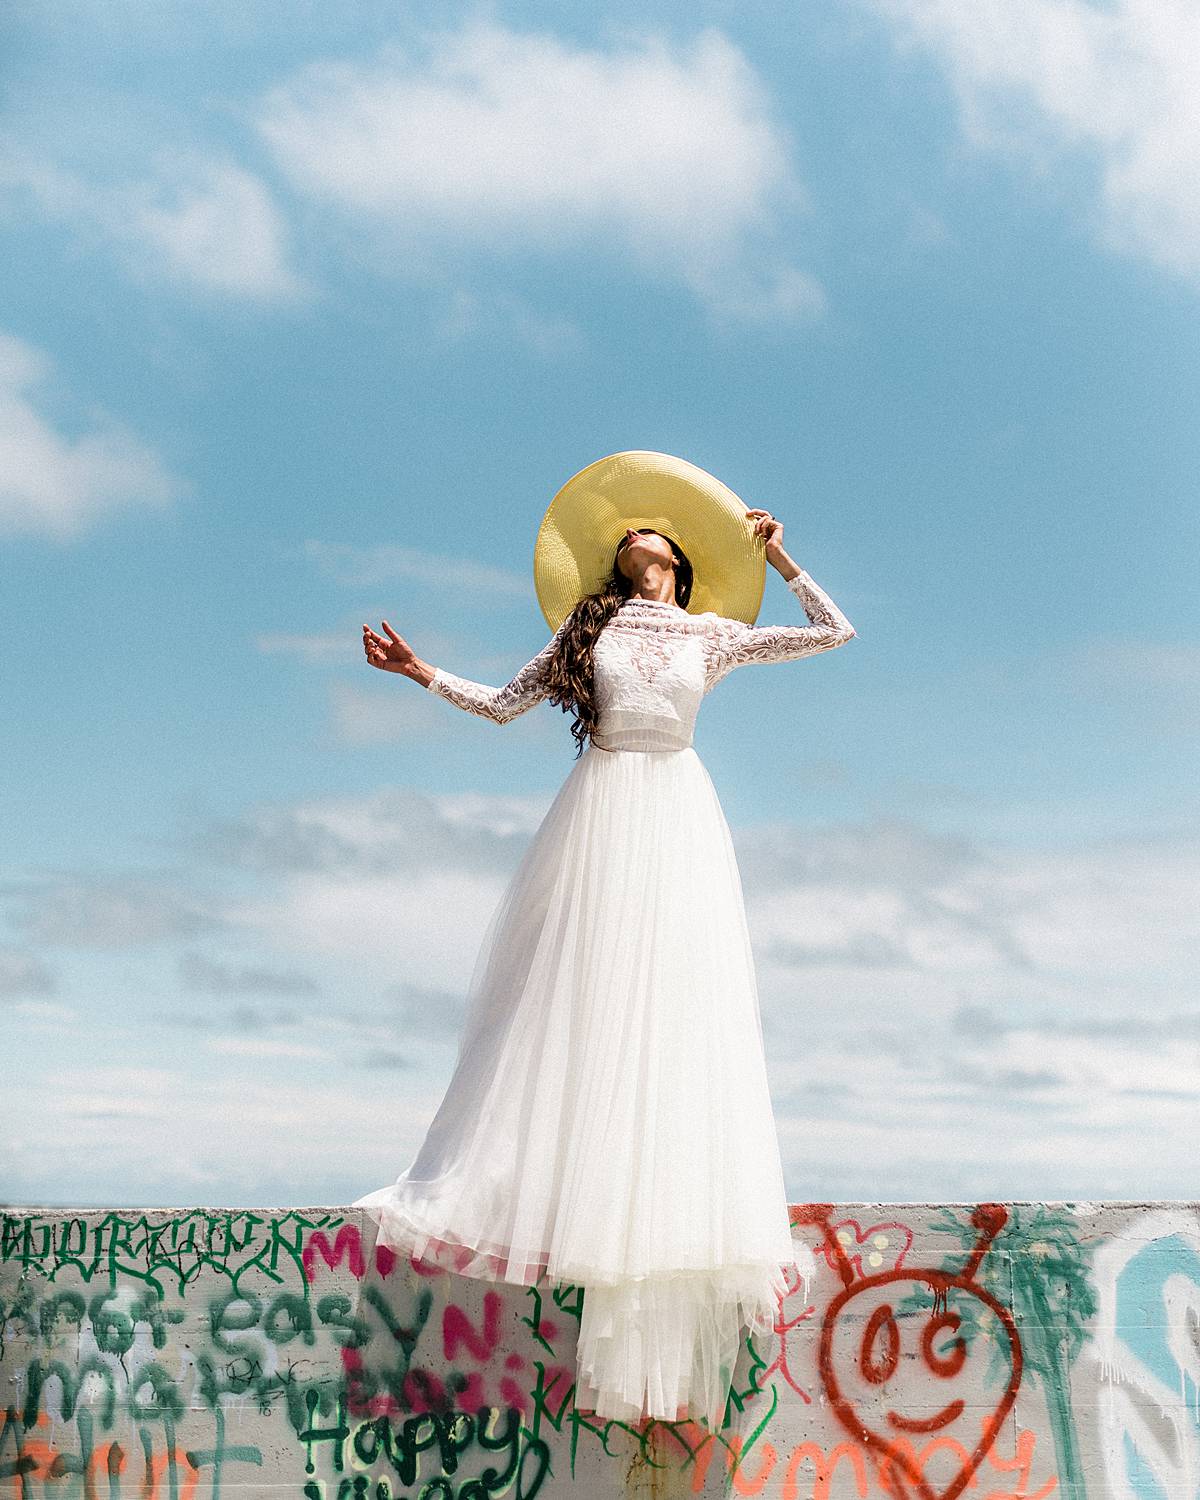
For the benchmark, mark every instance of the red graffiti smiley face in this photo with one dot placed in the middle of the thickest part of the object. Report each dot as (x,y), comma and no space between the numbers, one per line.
(893,1376)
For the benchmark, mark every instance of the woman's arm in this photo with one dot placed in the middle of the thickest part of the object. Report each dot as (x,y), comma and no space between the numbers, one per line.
(735,643)
(500,704)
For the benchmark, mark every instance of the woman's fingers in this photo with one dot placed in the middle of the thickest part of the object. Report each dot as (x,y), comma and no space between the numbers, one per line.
(375,647)
(390,655)
(763,521)
(381,653)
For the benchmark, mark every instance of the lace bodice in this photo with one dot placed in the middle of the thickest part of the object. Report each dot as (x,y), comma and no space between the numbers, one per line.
(654,662)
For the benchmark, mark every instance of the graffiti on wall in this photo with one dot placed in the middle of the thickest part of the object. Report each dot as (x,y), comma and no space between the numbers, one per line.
(1009,1352)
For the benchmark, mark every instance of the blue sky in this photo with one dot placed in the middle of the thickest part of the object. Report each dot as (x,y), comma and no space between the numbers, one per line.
(308,312)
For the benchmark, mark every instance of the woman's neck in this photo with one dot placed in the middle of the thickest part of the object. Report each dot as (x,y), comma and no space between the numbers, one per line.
(644,599)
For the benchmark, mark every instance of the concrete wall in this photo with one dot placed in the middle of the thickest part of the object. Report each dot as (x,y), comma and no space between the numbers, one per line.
(1019,1350)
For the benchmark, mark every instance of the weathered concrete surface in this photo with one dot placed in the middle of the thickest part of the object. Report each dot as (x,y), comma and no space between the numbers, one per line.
(994,1350)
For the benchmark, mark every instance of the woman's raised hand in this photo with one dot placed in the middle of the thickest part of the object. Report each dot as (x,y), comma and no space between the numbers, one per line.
(393,655)
(771,530)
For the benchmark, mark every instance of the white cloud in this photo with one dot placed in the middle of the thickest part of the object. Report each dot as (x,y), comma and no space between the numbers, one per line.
(54,484)
(1048,79)
(404,712)
(107,910)
(24,973)
(249,1135)
(184,216)
(358,567)
(213,224)
(392,886)
(908,1105)
(245,1046)
(393,830)
(472,313)
(1158,681)
(507,141)
(202,974)
(1124,913)
(362,716)
(493,816)
(386,928)
(315,650)
(943,1018)
(44,1015)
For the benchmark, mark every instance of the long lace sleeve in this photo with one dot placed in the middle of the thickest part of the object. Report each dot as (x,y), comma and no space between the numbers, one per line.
(501,704)
(735,643)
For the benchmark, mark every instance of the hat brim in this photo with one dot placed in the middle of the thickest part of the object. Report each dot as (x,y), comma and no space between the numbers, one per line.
(578,537)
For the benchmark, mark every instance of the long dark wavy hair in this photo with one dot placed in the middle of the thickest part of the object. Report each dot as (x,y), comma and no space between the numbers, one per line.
(570,672)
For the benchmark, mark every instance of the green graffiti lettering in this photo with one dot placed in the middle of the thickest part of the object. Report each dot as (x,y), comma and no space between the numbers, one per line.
(70,1304)
(72,1382)
(147,1307)
(297,1312)
(370,1438)
(166,1400)
(334,1311)
(414,1436)
(234,1313)
(24,1463)
(535,1457)
(337,1434)
(219,1455)
(112,1327)
(496,1440)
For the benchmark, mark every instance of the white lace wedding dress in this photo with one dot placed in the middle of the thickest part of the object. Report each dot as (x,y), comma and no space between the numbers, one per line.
(608,1123)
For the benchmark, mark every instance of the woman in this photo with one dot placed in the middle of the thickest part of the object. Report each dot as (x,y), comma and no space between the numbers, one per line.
(608,1124)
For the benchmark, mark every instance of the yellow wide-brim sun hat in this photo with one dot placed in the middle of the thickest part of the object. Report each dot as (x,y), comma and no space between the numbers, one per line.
(573,553)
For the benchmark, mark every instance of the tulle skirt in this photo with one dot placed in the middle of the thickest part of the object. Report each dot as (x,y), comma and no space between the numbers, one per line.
(608,1123)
